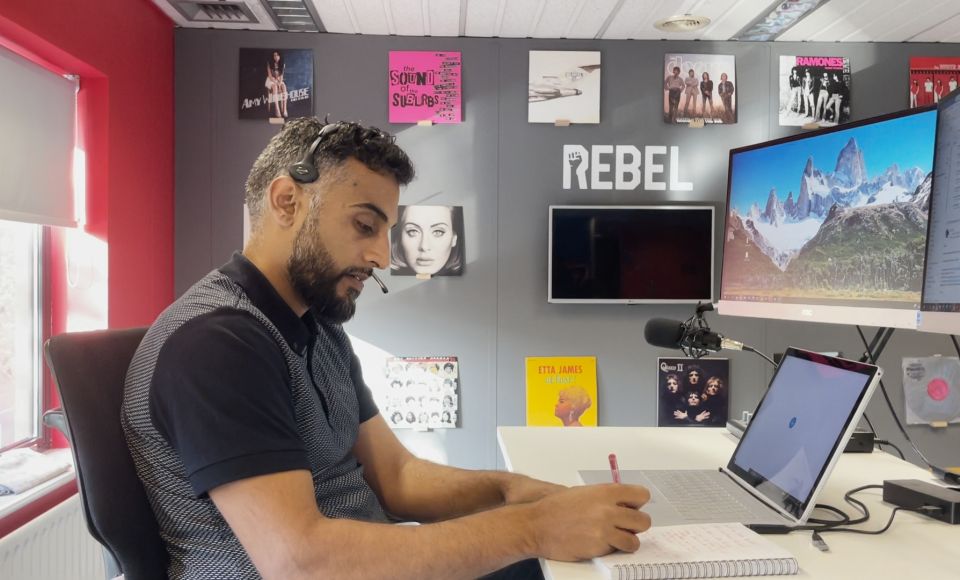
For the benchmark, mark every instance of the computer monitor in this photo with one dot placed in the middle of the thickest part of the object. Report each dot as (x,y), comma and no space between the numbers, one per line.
(630,254)
(830,226)
(940,302)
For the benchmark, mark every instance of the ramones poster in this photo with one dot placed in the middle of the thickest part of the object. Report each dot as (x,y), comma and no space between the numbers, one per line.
(814,90)
(276,83)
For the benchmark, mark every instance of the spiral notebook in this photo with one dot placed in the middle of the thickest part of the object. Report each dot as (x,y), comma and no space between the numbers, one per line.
(699,551)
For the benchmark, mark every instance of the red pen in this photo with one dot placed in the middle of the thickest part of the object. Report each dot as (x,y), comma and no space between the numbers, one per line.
(614,468)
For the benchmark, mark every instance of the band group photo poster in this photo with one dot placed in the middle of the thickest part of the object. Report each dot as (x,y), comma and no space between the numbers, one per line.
(276,83)
(932,78)
(814,90)
(564,86)
(422,392)
(427,241)
(561,391)
(692,392)
(699,86)
(424,86)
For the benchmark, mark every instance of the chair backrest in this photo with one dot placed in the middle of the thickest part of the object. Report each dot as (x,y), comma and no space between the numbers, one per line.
(89,369)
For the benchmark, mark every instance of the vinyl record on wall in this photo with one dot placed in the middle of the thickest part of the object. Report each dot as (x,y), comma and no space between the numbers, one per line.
(931,389)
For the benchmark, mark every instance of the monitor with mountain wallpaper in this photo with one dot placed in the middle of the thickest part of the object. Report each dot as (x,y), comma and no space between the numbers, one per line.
(830,226)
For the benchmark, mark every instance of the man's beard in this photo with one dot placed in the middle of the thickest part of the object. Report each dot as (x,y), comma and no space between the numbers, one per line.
(314,276)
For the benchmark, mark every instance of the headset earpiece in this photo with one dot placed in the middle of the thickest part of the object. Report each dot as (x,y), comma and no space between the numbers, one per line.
(304,171)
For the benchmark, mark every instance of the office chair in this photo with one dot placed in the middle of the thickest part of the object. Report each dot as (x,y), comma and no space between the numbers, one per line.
(89,369)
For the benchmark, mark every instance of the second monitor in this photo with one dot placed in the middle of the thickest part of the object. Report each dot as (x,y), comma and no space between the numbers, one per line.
(830,226)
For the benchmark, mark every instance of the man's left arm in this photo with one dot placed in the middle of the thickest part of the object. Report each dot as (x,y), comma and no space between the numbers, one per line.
(414,489)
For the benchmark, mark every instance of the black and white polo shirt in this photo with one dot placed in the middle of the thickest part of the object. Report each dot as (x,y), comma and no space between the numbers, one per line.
(227,384)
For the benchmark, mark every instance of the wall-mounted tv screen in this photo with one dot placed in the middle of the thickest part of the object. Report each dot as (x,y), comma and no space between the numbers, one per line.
(630,254)
(830,226)
(940,305)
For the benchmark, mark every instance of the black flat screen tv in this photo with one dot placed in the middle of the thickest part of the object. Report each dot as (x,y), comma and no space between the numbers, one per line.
(630,254)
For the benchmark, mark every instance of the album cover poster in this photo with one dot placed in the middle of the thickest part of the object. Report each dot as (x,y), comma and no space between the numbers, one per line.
(422,393)
(814,90)
(276,83)
(699,86)
(932,78)
(427,241)
(424,86)
(564,86)
(931,390)
(561,391)
(692,392)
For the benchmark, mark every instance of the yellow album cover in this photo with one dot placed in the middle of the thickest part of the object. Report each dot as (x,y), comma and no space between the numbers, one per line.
(562,391)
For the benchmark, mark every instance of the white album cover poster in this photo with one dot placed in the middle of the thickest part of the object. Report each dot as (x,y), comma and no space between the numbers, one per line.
(931,390)
(564,86)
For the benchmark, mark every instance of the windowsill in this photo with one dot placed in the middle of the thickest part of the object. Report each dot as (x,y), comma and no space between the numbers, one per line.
(11,503)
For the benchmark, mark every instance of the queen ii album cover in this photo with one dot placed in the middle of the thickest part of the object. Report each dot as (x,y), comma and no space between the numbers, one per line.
(692,392)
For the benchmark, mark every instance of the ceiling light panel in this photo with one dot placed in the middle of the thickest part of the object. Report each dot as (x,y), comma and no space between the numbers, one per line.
(779,17)
(828,21)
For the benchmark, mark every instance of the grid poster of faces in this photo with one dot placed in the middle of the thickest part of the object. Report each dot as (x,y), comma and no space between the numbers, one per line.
(564,86)
(932,78)
(692,392)
(422,393)
(276,83)
(814,90)
(427,241)
(700,86)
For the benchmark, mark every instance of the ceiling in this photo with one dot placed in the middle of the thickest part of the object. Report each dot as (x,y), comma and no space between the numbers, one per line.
(831,21)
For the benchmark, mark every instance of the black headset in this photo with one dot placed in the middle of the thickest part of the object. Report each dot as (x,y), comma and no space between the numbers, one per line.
(304,171)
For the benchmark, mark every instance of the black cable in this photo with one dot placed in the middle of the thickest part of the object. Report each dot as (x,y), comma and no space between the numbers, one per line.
(844,518)
(870,424)
(881,442)
(921,509)
(956,344)
(938,471)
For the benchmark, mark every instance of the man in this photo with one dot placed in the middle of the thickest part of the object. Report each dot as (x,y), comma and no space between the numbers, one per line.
(725,90)
(674,86)
(259,444)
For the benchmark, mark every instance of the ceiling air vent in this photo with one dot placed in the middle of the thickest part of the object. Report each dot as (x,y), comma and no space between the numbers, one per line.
(214,12)
(293,15)
(683,23)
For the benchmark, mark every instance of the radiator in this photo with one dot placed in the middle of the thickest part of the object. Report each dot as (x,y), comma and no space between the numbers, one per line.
(53,546)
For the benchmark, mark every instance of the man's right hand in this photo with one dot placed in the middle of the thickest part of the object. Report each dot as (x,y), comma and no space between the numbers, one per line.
(588,521)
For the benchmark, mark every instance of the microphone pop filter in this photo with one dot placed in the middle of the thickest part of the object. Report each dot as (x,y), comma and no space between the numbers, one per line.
(663,332)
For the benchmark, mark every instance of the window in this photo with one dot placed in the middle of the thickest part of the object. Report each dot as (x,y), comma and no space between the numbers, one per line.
(20,333)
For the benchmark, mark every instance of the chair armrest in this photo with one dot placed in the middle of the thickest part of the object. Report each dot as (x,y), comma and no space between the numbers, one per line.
(56,419)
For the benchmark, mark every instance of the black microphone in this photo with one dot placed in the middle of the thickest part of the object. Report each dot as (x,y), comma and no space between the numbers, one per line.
(667,333)
(379,281)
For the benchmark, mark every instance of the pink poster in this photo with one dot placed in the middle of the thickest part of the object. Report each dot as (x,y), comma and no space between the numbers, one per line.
(424,86)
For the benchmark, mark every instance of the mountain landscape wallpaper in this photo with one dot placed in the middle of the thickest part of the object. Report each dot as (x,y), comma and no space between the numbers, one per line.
(838,217)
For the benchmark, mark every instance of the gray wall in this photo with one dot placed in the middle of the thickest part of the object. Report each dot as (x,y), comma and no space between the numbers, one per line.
(505,172)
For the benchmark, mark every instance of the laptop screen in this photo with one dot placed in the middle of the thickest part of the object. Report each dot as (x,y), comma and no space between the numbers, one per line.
(799,425)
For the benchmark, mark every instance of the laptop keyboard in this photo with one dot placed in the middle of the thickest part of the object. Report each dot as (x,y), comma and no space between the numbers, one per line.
(699,496)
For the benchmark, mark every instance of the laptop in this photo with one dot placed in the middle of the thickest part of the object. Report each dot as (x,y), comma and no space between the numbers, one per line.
(784,457)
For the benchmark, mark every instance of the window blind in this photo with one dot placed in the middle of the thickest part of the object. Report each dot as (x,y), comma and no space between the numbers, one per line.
(37,110)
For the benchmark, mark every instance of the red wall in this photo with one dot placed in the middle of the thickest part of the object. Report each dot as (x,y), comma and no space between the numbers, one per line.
(123,51)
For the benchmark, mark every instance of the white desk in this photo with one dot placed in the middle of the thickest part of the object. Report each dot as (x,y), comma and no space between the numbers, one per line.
(914,547)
